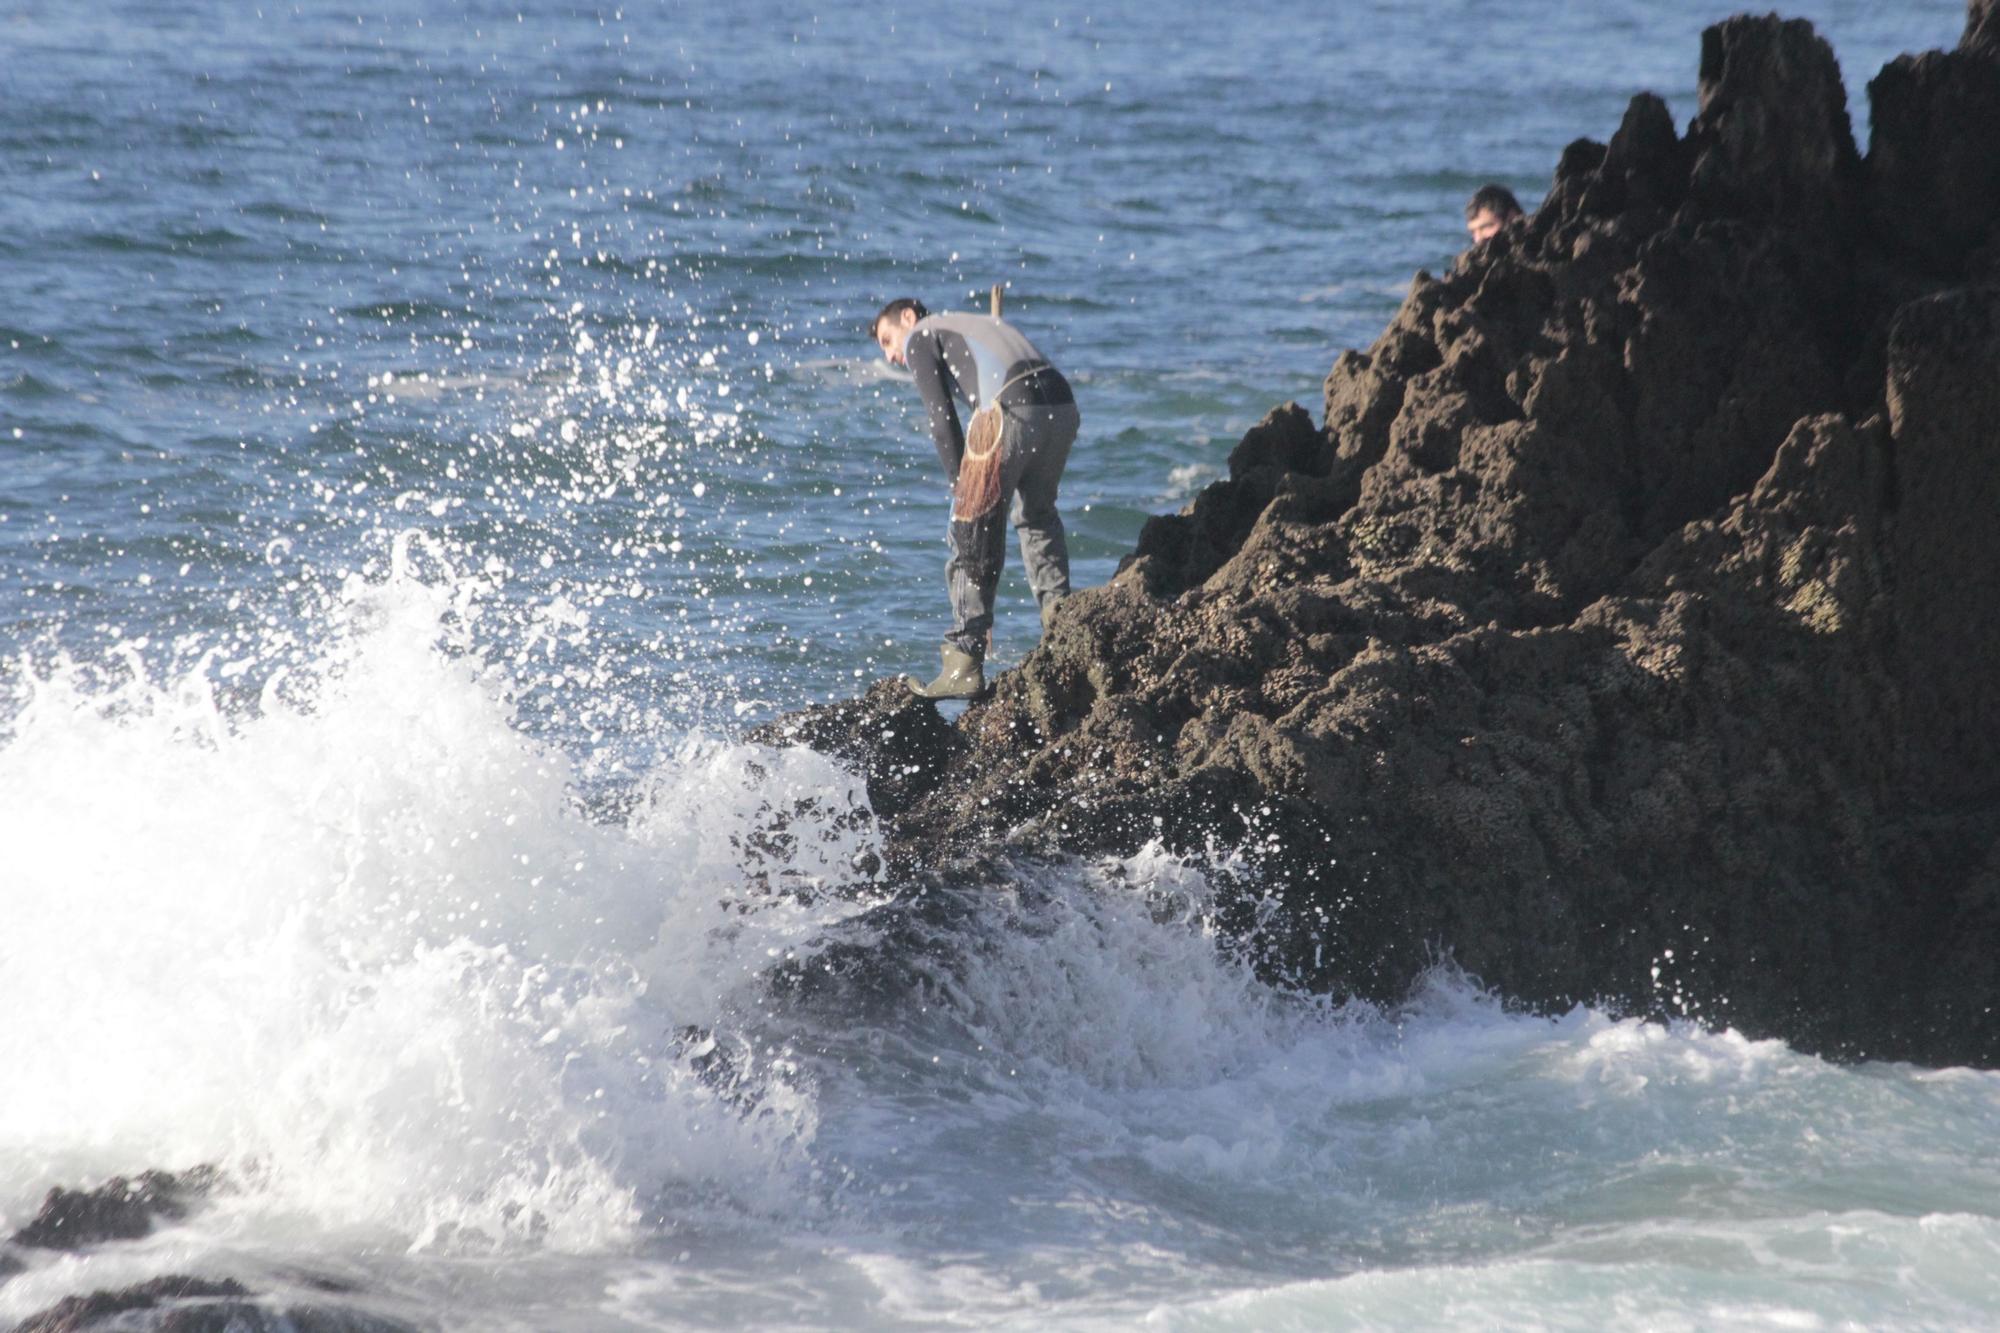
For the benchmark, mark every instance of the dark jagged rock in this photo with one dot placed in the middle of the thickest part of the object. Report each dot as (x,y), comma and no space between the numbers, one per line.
(900,747)
(1933,172)
(1788,156)
(180,1304)
(1282,452)
(119,1209)
(1626,626)
(1982,27)
(1944,412)
(895,740)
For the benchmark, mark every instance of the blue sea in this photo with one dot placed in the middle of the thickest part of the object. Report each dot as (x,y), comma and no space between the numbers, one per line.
(434,433)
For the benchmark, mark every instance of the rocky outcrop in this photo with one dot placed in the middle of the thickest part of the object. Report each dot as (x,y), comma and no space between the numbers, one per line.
(1625,624)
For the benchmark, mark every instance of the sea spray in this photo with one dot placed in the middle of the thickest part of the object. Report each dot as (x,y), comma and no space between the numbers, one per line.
(362,946)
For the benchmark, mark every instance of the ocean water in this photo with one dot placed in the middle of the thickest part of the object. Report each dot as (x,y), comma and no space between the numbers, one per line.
(431,433)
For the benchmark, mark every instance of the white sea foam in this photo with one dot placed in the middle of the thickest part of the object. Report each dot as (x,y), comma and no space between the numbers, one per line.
(1830,1271)
(368,953)
(1187,478)
(1097,1098)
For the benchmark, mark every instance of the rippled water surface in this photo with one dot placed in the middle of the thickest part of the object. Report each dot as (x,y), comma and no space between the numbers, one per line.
(432,432)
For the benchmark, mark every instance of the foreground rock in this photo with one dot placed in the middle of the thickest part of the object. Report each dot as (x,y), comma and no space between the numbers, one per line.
(119,1209)
(179,1298)
(181,1304)
(129,1208)
(1627,625)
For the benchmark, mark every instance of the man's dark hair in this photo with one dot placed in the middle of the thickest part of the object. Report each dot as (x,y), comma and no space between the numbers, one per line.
(894,310)
(1495,199)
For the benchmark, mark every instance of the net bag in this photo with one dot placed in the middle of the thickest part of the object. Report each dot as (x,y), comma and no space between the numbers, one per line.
(977,490)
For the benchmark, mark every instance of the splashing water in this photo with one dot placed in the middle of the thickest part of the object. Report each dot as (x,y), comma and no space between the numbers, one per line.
(369,953)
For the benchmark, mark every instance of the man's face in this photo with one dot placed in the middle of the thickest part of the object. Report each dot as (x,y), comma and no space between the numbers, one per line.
(1484,225)
(892,334)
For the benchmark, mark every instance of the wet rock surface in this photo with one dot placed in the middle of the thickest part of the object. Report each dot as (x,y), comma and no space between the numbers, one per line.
(119,1209)
(192,1303)
(182,1304)
(896,741)
(131,1208)
(1625,624)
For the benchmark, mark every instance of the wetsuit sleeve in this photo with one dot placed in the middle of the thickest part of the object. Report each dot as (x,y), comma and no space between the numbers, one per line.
(926,358)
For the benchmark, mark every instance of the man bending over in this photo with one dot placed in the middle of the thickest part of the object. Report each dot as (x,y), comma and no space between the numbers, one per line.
(1010,453)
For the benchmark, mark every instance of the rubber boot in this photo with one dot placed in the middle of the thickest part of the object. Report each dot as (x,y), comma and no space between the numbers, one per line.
(961,678)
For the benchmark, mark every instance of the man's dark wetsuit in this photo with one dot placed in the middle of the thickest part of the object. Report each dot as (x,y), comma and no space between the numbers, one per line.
(979,359)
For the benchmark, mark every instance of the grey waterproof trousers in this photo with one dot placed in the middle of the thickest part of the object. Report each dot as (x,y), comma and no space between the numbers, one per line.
(1034,443)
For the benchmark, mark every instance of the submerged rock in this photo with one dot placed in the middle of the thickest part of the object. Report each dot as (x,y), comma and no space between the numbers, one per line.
(1626,624)
(190,1302)
(125,1208)
(181,1304)
(119,1209)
